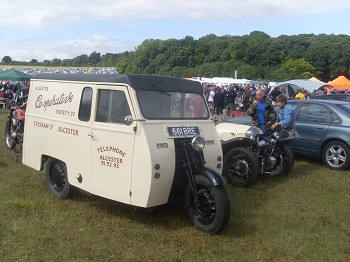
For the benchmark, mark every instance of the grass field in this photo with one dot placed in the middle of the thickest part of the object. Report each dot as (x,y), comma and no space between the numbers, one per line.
(302,217)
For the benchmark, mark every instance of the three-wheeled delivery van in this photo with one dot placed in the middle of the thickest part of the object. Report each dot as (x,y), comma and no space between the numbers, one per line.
(143,140)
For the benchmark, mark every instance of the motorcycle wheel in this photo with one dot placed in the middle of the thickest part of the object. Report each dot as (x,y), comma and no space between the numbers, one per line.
(9,142)
(287,159)
(57,179)
(212,213)
(241,168)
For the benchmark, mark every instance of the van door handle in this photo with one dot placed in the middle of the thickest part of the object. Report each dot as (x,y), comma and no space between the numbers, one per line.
(91,134)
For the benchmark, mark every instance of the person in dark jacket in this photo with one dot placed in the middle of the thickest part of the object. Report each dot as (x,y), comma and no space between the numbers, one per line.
(219,101)
(274,93)
(231,97)
(247,97)
(262,112)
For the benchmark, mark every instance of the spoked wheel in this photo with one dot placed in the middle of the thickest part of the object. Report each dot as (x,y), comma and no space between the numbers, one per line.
(14,141)
(57,179)
(9,142)
(287,158)
(336,155)
(241,167)
(212,213)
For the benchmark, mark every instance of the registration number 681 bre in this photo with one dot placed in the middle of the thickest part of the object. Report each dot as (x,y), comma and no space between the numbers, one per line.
(183,131)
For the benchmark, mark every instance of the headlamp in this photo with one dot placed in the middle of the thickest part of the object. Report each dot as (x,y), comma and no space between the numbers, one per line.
(198,143)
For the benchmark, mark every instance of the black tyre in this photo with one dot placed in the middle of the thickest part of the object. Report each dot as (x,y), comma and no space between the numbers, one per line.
(57,179)
(287,159)
(212,213)
(241,168)
(9,142)
(336,155)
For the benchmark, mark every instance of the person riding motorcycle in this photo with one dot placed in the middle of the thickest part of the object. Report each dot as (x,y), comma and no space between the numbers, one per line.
(262,112)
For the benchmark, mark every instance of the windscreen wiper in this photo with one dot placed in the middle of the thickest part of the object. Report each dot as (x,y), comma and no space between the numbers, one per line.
(163,92)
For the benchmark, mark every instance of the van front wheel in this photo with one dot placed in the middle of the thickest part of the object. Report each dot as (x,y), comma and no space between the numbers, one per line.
(57,179)
(212,213)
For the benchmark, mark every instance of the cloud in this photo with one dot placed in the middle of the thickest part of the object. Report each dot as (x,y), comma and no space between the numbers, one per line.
(44,30)
(100,38)
(68,49)
(41,14)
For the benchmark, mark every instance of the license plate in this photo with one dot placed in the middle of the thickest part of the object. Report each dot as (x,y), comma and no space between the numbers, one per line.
(183,130)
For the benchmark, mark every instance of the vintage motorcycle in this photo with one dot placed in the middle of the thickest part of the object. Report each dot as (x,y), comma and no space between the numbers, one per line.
(205,197)
(14,127)
(249,155)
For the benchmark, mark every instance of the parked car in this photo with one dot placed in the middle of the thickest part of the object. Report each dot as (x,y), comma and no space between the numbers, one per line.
(324,131)
(323,128)
(341,97)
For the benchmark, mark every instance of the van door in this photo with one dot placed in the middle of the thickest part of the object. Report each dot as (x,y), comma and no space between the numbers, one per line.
(112,144)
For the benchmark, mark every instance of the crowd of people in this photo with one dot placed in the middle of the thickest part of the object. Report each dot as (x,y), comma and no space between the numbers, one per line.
(9,89)
(226,97)
(239,97)
(257,101)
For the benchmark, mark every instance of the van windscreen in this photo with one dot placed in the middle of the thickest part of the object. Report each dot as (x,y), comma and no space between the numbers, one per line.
(158,104)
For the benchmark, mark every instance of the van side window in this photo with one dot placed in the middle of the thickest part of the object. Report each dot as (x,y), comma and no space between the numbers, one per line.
(85,104)
(112,106)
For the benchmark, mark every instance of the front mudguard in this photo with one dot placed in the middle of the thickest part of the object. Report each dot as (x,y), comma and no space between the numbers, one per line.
(215,178)
(236,142)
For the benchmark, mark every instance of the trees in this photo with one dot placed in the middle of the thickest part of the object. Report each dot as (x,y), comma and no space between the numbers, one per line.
(6,59)
(94,58)
(299,68)
(255,56)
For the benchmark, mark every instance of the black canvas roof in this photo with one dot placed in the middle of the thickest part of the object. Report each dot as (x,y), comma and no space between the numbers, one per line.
(137,82)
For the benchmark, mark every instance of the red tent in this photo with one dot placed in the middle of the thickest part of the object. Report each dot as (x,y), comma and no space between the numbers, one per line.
(341,82)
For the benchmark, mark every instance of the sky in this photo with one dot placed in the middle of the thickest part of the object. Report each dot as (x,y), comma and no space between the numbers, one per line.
(44,30)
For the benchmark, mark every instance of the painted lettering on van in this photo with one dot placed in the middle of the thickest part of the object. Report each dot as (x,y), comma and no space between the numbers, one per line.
(43,125)
(65,112)
(42,88)
(111,149)
(59,100)
(68,131)
(111,161)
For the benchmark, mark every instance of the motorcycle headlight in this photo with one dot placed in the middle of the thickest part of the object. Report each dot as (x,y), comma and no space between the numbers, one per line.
(262,143)
(277,135)
(198,143)
(253,132)
(14,122)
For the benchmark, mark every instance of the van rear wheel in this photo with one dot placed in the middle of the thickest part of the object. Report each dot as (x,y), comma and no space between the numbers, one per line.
(57,179)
